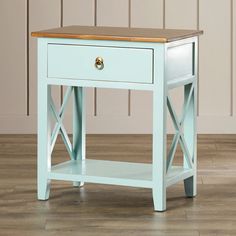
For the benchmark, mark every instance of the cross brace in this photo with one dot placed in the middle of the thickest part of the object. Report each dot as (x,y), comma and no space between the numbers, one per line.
(59,127)
(179,136)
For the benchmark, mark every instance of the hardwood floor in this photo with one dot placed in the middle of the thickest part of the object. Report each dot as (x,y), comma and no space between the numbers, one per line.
(113,210)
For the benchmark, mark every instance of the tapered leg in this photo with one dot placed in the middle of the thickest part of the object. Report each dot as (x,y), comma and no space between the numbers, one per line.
(159,134)
(190,184)
(44,138)
(79,133)
(159,151)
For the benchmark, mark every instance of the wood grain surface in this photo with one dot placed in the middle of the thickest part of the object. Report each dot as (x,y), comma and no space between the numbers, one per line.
(117,33)
(113,210)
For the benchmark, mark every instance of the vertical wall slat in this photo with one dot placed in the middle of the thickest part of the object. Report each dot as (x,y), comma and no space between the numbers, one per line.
(43,14)
(181,14)
(112,13)
(111,102)
(148,14)
(13,58)
(233,5)
(79,12)
(215,63)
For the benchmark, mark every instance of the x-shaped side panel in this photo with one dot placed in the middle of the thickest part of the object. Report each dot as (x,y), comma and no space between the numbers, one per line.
(179,137)
(59,127)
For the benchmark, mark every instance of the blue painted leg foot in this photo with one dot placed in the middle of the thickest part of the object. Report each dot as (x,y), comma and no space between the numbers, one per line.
(43,190)
(79,135)
(159,201)
(190,186)
(78,184)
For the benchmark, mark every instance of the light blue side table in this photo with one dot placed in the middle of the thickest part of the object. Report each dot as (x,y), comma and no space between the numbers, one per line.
(122,58)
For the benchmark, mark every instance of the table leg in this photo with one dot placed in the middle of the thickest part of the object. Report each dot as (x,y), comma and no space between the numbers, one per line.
(189,125)
(44,138)
(159,136)
(79,132)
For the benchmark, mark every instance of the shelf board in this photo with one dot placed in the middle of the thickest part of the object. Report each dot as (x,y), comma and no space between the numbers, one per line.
(113,172)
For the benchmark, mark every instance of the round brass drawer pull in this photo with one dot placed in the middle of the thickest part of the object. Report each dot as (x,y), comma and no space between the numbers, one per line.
(99,63)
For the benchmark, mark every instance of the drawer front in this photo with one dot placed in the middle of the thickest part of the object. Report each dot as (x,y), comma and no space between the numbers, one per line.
(119,64)
(180,61)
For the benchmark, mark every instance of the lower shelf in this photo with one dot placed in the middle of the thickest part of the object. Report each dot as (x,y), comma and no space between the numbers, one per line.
(113,172)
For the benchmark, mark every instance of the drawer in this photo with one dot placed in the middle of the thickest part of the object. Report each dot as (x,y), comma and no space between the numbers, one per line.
(100,63)
(180,61)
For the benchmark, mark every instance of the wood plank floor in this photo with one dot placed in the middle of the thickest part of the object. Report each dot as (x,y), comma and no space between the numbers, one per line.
(113,210)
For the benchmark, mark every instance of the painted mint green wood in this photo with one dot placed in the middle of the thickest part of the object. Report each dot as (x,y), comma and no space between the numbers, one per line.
(179,61)
(190,134)
(58,118)
(44,129)
(159,130)
(113,172)
(133,65)
(59,125)
(120,64)
(79,118)
(190,92)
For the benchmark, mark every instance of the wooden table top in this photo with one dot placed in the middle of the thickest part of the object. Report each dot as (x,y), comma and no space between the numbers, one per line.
(117,33)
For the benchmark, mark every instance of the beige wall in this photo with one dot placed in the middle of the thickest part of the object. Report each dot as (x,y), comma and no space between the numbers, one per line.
(217,63)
